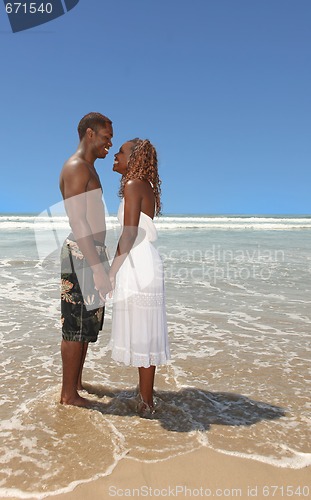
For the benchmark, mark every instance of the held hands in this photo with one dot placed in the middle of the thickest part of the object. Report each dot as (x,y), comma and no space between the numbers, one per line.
(112,278)
(102,282)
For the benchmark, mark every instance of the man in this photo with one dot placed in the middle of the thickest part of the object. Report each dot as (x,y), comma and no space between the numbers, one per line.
(85,282)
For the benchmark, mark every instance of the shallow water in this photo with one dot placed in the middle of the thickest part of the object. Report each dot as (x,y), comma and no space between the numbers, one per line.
(238,303)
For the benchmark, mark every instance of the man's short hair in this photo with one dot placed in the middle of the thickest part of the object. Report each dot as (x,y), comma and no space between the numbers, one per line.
(93,121)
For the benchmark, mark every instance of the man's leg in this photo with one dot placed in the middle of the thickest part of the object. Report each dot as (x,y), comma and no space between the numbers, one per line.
(84,351)
(146,381)
(72,354)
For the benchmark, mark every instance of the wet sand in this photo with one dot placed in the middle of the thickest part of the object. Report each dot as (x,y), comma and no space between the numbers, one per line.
(202,473)
(238,382)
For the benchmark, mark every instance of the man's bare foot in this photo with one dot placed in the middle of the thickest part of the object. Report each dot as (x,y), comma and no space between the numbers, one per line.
(76,401)
(80,388)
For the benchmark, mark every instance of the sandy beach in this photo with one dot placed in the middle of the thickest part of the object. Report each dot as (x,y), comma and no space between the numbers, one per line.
(201,473)
(233,405)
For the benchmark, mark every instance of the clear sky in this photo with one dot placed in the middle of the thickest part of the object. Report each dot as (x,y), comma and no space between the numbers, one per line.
(221,87)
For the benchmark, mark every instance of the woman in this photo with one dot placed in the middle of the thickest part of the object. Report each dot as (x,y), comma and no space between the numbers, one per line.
(139,329)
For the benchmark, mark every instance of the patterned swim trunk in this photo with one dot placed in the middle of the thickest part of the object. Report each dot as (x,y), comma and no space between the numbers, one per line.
(82,313)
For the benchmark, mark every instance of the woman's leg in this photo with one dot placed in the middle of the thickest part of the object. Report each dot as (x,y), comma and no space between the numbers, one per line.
(146,381)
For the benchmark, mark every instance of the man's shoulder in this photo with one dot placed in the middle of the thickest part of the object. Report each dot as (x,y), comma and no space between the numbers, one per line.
(75,162)
(76,165)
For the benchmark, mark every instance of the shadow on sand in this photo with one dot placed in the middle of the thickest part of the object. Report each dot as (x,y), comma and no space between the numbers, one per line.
(189,409)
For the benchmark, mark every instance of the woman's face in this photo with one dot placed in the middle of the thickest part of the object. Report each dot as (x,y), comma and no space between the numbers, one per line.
(122,157)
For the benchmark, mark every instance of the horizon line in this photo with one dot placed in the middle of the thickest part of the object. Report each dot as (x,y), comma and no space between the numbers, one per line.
(192,214)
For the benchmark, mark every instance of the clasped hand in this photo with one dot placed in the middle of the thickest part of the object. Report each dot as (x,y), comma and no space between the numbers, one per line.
(102,283)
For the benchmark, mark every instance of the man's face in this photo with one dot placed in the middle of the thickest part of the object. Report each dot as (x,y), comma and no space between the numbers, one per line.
(102,141)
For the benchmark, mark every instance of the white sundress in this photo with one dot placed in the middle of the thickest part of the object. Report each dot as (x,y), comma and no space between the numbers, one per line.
(139,329)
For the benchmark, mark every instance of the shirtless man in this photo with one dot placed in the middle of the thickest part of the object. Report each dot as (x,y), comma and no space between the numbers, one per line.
(83,253)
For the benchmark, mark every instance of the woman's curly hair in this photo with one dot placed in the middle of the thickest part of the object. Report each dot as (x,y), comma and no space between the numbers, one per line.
(143,164)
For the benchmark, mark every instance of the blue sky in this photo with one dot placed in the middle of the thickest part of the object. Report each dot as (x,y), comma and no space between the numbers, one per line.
(222,89)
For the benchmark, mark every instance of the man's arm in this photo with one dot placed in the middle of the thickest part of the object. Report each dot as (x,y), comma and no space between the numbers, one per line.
(75,178)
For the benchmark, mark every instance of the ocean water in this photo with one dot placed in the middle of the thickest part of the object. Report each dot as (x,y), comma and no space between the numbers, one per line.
(238,306)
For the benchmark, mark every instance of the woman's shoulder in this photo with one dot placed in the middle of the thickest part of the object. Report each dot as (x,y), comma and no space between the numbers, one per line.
(133,185)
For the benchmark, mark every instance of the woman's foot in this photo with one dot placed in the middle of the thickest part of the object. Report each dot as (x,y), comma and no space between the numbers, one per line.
(144,409)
